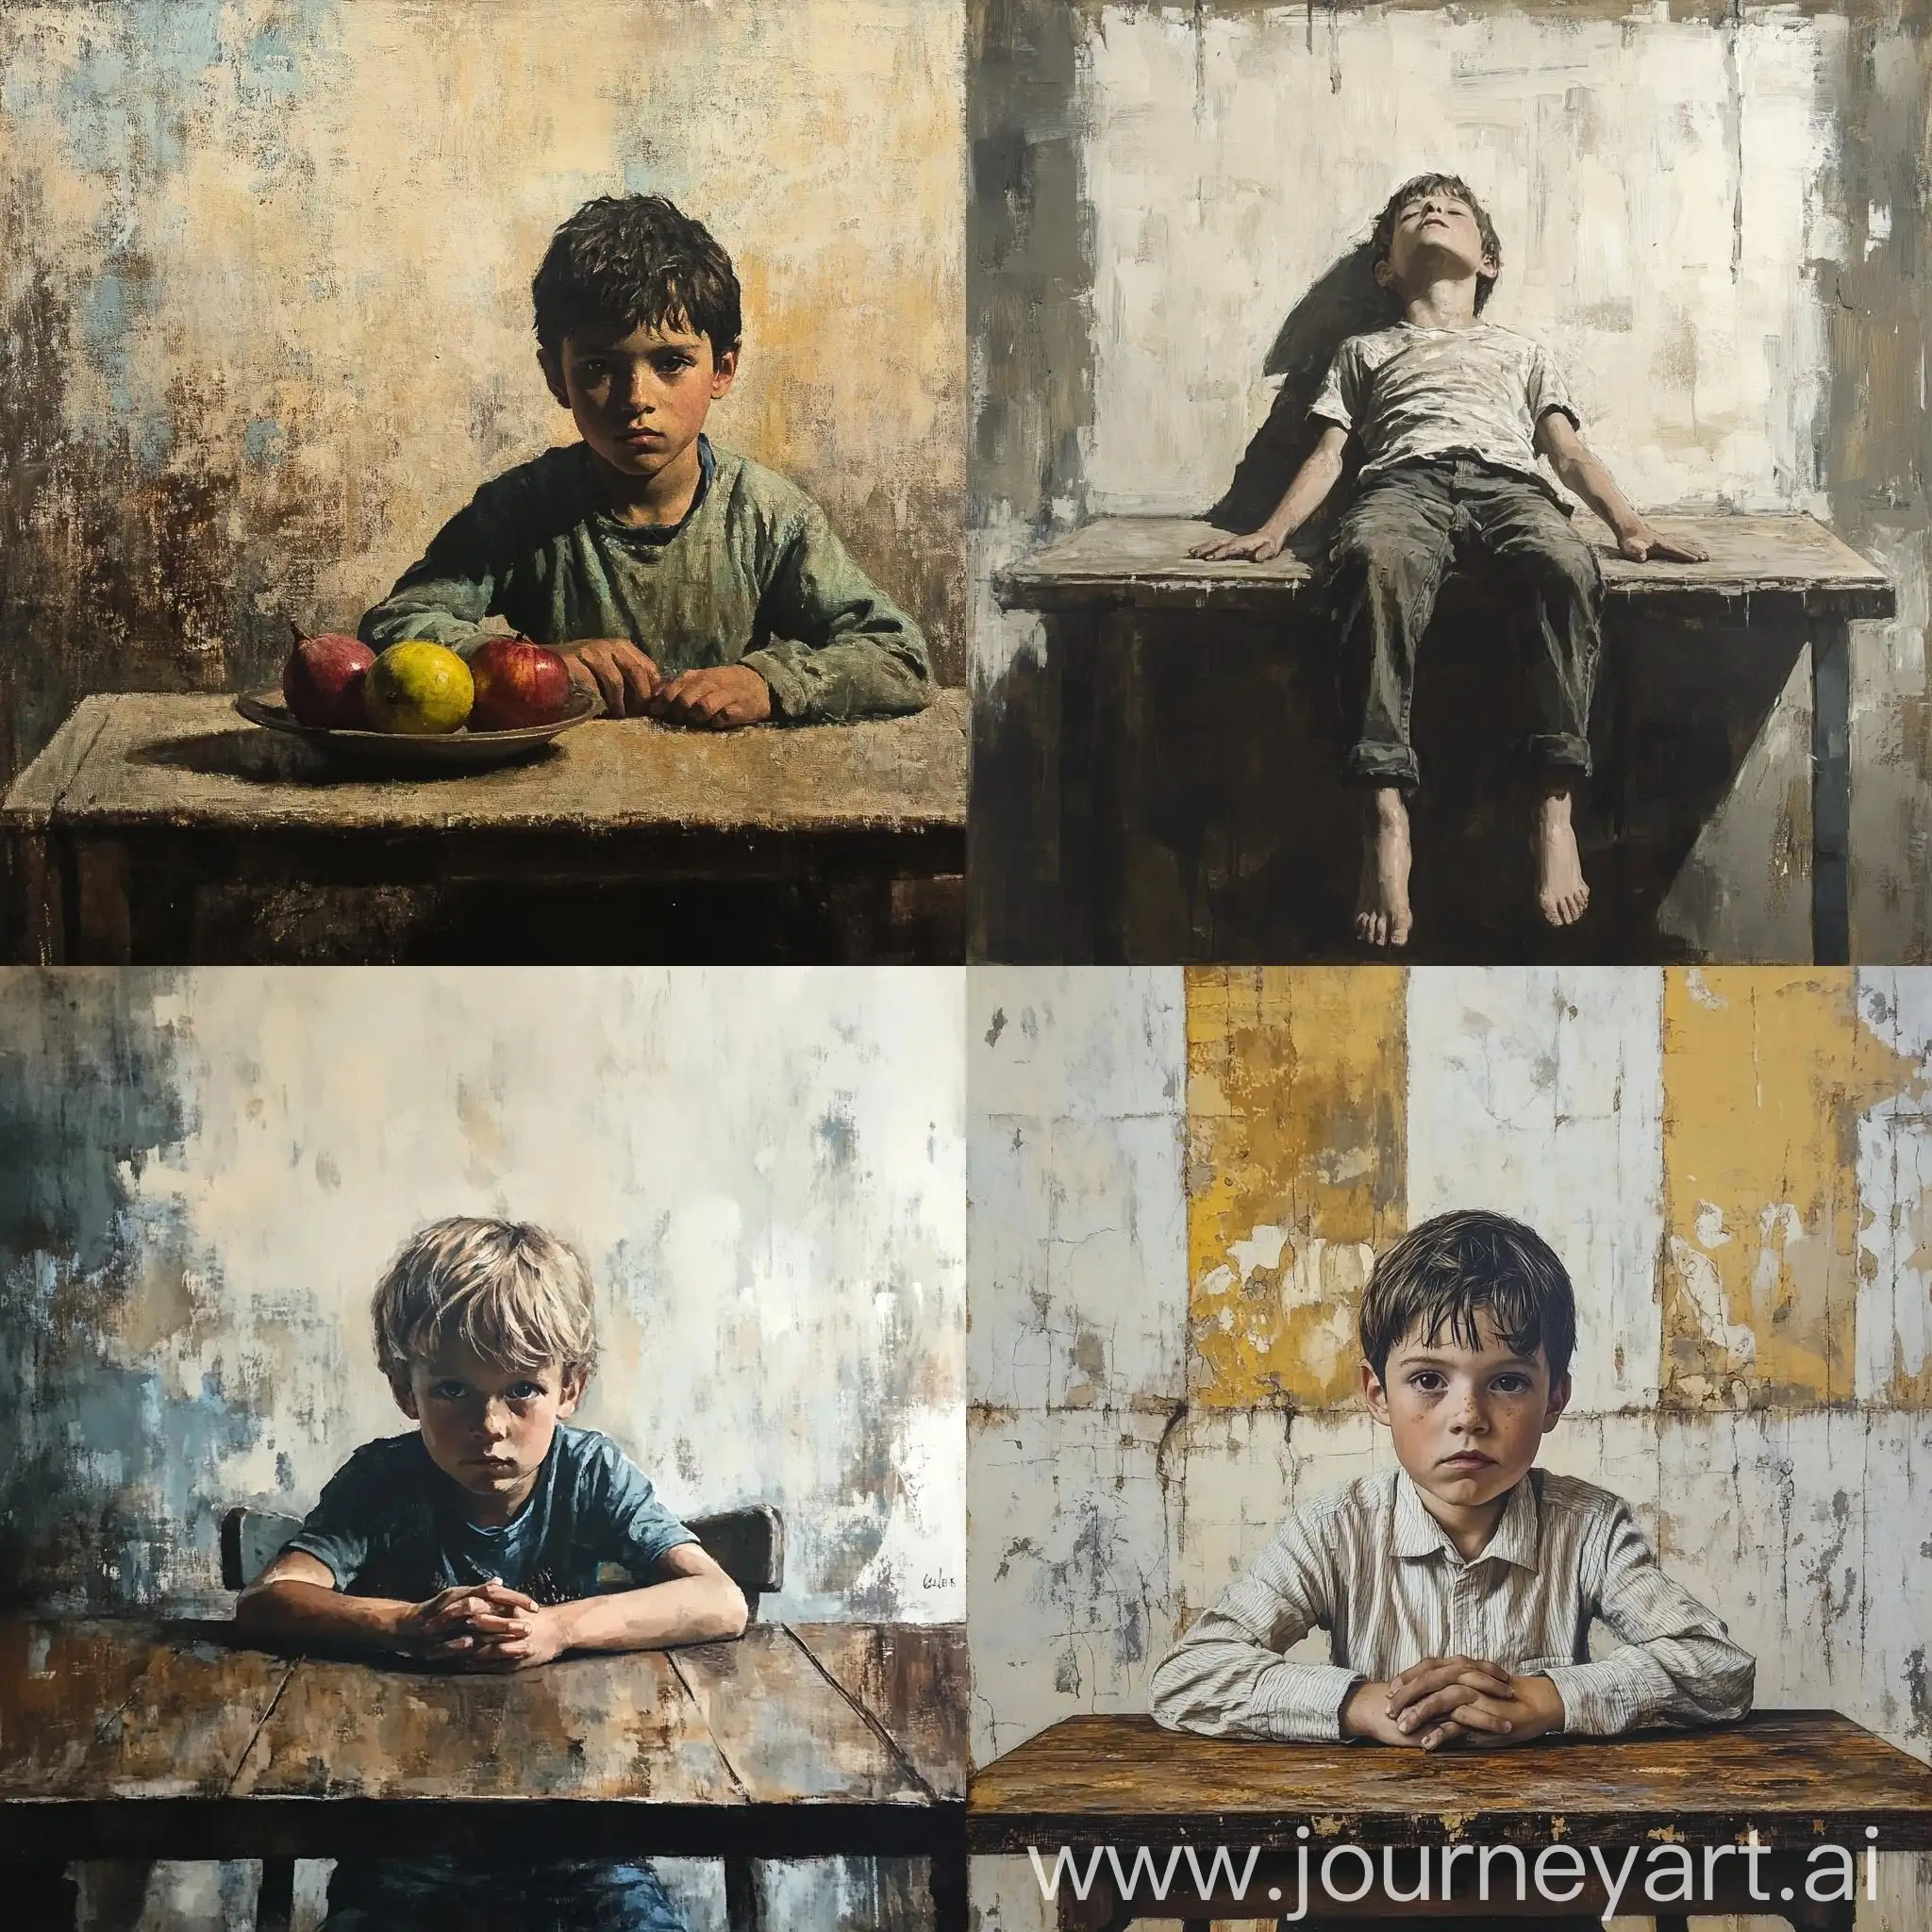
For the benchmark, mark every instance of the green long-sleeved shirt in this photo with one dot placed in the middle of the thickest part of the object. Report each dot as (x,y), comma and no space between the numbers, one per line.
(755,575)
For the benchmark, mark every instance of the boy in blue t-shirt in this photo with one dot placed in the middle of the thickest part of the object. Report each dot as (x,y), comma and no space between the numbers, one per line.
(476,1541)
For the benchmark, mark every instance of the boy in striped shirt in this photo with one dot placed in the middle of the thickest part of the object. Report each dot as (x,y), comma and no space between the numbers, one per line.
(1458,1588)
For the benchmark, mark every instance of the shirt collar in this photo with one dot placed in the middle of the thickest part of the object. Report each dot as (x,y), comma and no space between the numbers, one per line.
(1418,1532)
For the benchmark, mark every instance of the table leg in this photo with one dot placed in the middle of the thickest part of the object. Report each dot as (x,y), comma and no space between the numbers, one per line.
(742,1910)
(34,901)
(274,1901)
(1074,640)
(42,1895)
(946,1882)
(1092,699)
(1831,791)
(103,935)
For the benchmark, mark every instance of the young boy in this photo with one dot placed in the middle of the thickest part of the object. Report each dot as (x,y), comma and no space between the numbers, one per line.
(1449,414)
(475,1541)
(1457,1592)
(681,581)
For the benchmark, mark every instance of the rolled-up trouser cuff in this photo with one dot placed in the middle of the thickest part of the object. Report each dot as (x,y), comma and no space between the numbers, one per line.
(1383,764)
(1558,751)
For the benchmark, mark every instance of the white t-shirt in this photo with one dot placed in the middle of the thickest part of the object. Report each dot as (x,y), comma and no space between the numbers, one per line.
(1410,394)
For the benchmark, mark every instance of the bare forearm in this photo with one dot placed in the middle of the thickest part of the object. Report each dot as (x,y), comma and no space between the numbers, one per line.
(1304,497)
(687,1610)
(1590,480)
(295,1612)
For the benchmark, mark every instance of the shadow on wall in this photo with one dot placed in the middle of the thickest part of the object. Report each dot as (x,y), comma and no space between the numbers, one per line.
(1344,301)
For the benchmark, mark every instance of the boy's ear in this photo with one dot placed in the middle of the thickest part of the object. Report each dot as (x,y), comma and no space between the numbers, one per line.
(570,1391)
(1559,1401)
(723,372)
(552,367)
(1382,273)
(405,1395)
(1374,1394)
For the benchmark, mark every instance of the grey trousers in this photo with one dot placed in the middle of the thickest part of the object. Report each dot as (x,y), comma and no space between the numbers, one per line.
(1391,551)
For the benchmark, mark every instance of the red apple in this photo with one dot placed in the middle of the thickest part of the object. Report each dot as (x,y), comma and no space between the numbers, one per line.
(323,681)
(517,683)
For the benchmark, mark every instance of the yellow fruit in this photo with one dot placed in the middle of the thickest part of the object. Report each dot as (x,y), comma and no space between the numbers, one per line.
(418,688)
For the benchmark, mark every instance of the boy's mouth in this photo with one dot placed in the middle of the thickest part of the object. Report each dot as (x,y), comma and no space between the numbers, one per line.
(1468,1459)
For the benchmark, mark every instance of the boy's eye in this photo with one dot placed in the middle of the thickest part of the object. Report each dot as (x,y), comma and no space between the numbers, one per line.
(1428,1381)
(526,1391)
(1511,1384)
(448,1391)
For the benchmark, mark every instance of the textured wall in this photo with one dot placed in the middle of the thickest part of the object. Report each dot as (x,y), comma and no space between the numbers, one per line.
(264,295)
(1715,218)
(1176,1185)
(202,1176)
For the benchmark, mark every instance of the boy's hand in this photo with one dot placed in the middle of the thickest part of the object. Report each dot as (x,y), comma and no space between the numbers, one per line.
(1256,546)
(527,1636)
(617,670)
(1645,546)
(454,1621)
(1442,1700)
(721,697)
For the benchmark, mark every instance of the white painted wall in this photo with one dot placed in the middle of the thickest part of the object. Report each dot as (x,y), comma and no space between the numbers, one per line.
(1657,187)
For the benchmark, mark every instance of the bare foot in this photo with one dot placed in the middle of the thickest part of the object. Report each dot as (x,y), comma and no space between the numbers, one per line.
(1381,907)
(1559,888)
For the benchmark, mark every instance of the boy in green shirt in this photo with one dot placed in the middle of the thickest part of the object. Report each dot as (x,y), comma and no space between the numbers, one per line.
(679,580)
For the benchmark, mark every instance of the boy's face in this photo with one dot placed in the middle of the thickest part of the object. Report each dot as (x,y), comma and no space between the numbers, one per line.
(641,399)
(1466,1420)
(487,1429)
(1435,237)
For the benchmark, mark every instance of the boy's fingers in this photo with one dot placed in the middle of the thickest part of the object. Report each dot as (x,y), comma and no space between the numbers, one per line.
(1434,1674)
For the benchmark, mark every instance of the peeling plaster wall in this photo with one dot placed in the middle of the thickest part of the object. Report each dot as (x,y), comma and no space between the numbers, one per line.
(264,295)
(202,1173)
(1734,1164)
(1715,217)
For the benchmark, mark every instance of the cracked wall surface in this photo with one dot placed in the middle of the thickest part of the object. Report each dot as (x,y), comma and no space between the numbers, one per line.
(1772,1122)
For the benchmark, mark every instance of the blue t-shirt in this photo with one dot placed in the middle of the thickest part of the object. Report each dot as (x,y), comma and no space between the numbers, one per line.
(392,1524)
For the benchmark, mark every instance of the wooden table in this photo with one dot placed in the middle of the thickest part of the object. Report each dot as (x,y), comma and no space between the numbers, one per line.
(1798,1778)
(138,1739)
(138,783)
(1786,577)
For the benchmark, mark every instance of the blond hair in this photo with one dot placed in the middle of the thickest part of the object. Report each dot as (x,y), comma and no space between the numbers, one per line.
(513,1294)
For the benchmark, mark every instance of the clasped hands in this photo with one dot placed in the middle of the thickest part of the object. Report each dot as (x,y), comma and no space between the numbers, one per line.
(1447,1700)
(719,697)
(482,1627)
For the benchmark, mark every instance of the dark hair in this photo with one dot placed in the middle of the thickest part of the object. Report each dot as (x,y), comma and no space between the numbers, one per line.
(1441,184)
(633,262)
(1443,1273)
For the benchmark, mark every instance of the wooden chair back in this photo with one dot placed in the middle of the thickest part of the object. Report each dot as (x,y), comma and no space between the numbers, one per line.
(748,1545)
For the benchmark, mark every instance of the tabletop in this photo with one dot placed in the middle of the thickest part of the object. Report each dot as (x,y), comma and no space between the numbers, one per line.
(136,758)
(1780,562)
(128,1737)
(1798,1776)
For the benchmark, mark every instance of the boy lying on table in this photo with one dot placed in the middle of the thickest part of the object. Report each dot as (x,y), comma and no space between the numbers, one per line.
(679,580)
(476,1541)
(1458,1590)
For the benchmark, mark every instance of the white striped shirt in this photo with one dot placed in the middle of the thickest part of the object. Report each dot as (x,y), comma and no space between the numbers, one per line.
(1369,1565)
